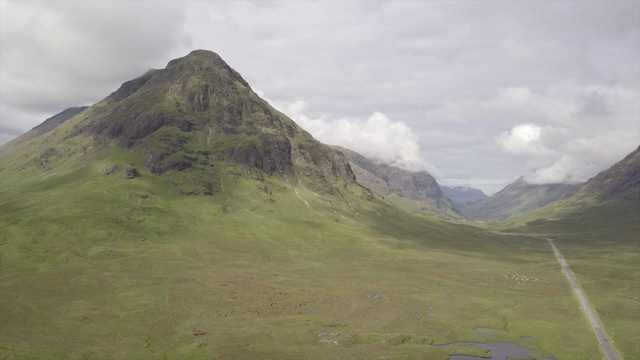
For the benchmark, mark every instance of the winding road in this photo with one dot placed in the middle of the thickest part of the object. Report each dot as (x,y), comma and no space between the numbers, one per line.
(593,320)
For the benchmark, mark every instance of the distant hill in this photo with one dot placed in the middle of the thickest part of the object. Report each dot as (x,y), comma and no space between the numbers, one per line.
(463,196)
(415,191)
(51,123)
(609,201)
(516,198)
(621,181)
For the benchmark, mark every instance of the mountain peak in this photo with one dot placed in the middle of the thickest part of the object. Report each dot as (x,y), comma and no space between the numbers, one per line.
(206,61)
(199,115)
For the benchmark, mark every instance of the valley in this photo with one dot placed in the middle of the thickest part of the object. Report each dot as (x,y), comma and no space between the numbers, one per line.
(593,320)
(189,277)
(182,217)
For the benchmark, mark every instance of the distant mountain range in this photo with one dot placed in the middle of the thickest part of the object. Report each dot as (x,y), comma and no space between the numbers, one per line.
(463,196)
(609,200)
(621,181)
(52,122)
(516,198)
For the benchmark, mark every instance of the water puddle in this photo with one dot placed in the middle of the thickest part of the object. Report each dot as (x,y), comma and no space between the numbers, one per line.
(497,351)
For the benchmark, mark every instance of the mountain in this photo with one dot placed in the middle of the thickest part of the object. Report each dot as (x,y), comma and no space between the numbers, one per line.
(182,217)
(188,121)
(463,196)
(52,122)
(621,181)
(416,191)
(607,202)
(516,198)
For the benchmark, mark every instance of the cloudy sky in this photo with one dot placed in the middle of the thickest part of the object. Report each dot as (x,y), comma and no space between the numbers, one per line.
(476,92)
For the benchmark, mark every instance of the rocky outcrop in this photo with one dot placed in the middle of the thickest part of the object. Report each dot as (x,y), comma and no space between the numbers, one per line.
(420,188)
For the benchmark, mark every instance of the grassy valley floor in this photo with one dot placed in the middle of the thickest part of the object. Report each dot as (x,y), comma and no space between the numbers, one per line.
(607,266)
(94,266)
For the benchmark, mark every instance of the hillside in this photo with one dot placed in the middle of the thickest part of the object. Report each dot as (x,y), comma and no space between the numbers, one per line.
(188,121)
(415,191)
(182,217)
(53,122)
(607,201)
(463,196)
(516,198)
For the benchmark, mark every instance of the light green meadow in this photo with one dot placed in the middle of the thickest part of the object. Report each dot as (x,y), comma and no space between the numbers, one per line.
(94,266)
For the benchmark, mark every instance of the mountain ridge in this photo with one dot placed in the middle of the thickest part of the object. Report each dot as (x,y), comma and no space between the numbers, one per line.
(516,198)
(608,200)
(463,196)
(416,191)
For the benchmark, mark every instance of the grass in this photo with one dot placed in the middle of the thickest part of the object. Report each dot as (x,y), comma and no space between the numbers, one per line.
(302,263)
(599,240)
(607,267)
(95,266)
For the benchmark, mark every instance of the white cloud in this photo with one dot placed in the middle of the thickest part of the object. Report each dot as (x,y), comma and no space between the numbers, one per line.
(522,139)
(579,131)
(378,137)
(55,55)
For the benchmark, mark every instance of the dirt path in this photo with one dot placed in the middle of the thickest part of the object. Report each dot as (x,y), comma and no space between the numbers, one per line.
(593,320)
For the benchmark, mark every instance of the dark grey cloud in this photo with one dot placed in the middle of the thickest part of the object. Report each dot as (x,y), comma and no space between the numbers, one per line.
(57,54)
(446,85)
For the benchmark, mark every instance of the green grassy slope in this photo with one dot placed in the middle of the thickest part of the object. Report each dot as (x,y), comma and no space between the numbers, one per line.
(97,266)
(597,228)
(163,222)
(607,265)
(607,203)
(517,198)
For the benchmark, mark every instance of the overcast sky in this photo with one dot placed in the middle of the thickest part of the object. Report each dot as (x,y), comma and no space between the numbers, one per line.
(478,93)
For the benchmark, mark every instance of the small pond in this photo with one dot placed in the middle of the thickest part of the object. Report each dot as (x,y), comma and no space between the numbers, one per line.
(497,351)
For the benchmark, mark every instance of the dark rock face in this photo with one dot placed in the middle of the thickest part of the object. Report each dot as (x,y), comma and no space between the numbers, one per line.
(198,100)
(130,172)
(340,166)
(415,185)
(131,86)
(127,132)
(109,169)
(390,180)
(269,154)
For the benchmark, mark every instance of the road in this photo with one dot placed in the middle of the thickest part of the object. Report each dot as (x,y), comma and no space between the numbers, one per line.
(593,320)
